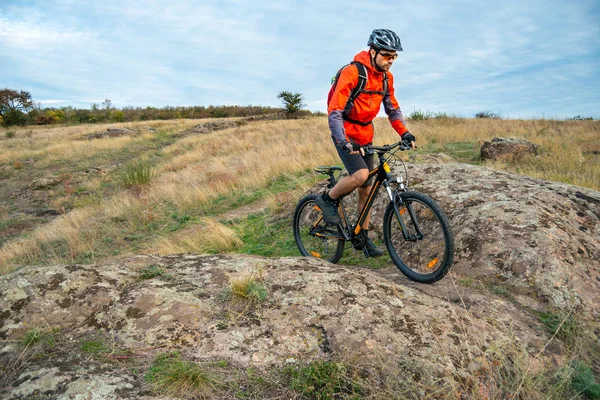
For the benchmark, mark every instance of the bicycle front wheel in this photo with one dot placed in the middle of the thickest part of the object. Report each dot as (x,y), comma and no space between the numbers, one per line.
(314,237)
(418,237)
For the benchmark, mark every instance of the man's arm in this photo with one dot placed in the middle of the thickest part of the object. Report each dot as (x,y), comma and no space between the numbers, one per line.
(347,80)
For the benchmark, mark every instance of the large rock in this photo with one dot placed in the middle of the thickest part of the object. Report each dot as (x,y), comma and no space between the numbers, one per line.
(45,183)
(210,126)
(539,239)
(508,149)
(313,311)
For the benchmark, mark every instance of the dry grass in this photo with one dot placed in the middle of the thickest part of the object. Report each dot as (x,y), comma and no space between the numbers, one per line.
(208,236)
(194,171)
(567,147)
(47,144)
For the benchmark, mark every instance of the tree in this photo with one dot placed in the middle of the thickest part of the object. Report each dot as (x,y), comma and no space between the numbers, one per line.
(293,102)
(14,105)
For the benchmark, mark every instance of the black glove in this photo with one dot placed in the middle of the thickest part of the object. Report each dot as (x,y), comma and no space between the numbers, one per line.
(408,137)
(351,147)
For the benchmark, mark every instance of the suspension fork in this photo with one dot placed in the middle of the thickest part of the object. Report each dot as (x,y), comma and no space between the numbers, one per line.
(411,213)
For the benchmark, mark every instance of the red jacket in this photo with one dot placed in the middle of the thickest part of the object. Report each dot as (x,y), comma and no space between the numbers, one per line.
(365,107)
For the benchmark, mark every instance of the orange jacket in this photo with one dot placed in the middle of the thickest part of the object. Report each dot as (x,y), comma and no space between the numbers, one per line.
(365,107)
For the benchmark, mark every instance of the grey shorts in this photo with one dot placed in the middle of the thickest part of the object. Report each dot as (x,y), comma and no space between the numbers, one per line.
(355,162)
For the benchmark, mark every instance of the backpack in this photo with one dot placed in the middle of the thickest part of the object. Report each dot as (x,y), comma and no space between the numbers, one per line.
(357,90)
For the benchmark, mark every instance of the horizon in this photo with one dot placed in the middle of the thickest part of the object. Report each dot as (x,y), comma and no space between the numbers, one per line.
(527,60)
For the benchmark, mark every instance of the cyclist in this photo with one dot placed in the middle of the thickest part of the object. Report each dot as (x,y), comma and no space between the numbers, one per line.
(351,124)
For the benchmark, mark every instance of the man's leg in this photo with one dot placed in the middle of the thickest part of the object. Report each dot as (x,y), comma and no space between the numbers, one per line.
(363,194)
(349,183)
(327,202)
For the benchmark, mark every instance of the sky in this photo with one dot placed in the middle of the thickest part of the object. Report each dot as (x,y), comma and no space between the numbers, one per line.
(517,58)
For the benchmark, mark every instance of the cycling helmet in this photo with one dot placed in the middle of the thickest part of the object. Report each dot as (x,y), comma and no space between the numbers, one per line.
(384,39)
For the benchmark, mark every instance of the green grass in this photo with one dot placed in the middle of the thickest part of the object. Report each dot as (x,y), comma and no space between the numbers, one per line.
(37,336)
(94,347)
(266,237)
(467,282)
(500,290)
(279,184)
(325,380)
(583,380)
(249,288)
(152,271)
(567,332)
(169,375)
(467,152)
(31,338)
(138,173)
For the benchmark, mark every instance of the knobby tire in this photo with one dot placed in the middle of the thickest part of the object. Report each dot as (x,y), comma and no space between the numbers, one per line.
(306,216)
(424,260)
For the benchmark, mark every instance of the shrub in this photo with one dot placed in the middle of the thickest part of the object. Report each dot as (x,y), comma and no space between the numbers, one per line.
(14,117)
(580,118)
(487,114)
(418,115)
(45,120)
(118,116)
(10,134)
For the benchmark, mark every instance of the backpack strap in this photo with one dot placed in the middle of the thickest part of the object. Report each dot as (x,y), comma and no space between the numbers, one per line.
(358,89)
(362,81)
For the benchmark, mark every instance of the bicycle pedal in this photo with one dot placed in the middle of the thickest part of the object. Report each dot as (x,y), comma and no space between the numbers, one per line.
(367,255)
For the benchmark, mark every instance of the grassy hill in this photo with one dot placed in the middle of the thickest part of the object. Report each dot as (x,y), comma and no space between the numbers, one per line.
(66,198)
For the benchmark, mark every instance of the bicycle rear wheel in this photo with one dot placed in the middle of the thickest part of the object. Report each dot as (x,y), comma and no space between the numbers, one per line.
(427,255)
(314,237)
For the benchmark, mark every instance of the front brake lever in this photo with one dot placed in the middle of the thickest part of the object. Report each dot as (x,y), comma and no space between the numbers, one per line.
(405,146)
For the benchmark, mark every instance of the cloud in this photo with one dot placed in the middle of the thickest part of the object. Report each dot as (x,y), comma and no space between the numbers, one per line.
(458,57)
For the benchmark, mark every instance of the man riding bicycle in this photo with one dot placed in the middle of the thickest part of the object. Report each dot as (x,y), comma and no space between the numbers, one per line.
(354,103)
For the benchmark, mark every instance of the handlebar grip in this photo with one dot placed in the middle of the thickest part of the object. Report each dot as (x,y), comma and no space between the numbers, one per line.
(404,145)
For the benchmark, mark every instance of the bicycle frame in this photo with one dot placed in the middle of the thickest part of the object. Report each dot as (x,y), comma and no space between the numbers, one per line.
(382,175)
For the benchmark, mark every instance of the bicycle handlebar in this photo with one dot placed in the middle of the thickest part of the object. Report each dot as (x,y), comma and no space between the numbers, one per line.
(388,147)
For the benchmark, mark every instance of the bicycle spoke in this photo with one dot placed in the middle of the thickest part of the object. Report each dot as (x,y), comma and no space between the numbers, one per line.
(424,249)
(313,235)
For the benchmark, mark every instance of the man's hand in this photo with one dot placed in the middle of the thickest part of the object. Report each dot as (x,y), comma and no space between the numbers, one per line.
(353,148)
(409,138)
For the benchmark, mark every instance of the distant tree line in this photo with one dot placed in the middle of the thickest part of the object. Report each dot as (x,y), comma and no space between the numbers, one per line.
(17,108)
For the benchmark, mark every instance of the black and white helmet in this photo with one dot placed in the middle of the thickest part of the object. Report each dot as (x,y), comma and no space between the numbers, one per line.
(384,39)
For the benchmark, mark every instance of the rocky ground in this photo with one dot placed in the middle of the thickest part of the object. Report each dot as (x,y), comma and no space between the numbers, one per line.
(526,250)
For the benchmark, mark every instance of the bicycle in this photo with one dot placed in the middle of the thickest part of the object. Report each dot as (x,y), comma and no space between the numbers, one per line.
(416,231)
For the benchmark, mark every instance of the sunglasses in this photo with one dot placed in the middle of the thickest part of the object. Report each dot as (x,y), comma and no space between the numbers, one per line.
(389,56)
